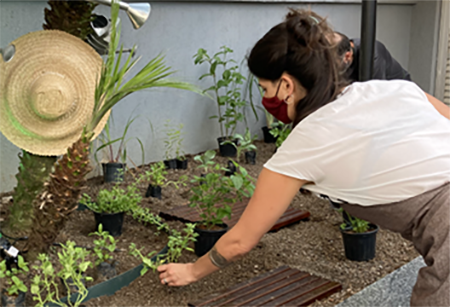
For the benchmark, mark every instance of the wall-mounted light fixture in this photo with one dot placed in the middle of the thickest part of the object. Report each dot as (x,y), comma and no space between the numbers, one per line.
(137,12)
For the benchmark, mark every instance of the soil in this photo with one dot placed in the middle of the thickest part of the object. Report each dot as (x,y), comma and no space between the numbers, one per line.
(314,246)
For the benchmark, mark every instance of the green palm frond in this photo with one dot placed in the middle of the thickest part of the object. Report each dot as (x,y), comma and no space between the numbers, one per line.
(112,88)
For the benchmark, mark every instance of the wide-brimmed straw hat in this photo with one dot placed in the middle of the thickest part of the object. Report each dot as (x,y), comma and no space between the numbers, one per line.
(47,91)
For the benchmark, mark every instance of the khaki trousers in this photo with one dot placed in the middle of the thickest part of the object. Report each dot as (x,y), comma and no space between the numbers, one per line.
(424,220)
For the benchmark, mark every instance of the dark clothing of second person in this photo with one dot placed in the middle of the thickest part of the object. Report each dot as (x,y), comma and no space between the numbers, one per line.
(385,67)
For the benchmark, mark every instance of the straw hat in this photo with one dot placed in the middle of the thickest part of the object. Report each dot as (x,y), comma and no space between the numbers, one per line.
(47,91)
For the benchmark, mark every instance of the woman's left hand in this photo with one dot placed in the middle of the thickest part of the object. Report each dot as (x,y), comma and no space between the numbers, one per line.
(176,274)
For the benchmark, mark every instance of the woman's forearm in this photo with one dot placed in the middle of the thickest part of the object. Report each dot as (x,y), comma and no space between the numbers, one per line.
(230,247)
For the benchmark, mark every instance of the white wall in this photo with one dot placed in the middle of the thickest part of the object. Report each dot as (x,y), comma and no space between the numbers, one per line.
(178,29)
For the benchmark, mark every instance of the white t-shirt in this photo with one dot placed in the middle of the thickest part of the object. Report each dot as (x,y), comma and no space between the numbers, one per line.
(379,142)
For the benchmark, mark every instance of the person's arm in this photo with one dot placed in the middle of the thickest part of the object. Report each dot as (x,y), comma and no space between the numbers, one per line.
(273,194)
(439,105)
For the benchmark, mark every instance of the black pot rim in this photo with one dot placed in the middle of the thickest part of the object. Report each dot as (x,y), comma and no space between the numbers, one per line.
(109,214)
(223,225)
(114,164)
(348,232)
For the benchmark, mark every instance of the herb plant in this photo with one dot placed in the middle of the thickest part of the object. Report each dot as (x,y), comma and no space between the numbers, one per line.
(115,200)
(226,88)
(214,194)
(103,246)
(356,224)
(13,283)
(245,143)
(173,141)
(177,241)
(74,264)
(206,160)
(157,176)
(281,132)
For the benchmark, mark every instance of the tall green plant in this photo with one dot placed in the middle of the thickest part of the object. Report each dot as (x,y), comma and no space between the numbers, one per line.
(107,143)
(226,88)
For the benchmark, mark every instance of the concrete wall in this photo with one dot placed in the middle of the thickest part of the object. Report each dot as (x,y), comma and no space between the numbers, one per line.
(424,41)
(178,29)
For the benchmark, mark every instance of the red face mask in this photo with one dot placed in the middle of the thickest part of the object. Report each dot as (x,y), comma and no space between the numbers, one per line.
(277,107)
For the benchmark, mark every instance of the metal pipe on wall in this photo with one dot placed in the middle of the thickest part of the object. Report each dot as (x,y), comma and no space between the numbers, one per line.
(368,31)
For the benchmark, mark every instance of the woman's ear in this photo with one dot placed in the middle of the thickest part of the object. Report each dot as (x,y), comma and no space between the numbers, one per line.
(287,86)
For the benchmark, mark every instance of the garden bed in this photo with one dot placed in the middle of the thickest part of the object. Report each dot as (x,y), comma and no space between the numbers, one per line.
(313,246)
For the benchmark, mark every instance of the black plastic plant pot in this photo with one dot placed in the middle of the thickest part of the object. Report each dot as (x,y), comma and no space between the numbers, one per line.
(153,191)
(231,168)
(360,246)
(226,150)
(113,172)
(171,164)
(14,300)
(250,157)
(268,137)
(182,164)
(112,223)
(207,238)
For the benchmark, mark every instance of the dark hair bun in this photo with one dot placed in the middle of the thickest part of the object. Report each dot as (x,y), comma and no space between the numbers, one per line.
(308,29)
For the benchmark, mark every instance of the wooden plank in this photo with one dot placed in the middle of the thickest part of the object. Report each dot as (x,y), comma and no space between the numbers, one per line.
(286,294)
(261,289)
(316,294)
(238,287)
(265,293)
(187,214)
(283,286)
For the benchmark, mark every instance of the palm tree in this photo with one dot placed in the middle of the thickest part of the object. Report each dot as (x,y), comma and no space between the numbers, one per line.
(62,190)
(73,17)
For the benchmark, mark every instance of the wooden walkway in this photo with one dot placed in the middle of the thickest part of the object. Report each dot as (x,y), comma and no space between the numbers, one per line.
(189,215)
(283,286)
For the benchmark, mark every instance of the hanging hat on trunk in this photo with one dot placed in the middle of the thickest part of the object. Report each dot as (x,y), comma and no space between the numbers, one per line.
(47,91)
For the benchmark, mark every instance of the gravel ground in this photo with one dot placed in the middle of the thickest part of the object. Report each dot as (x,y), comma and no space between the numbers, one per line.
(313,246)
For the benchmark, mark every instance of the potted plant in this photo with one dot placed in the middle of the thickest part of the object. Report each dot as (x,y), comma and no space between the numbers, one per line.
(114,168)
(174,154)
(226,93)
(157,178)
(280,131)
(74,264)
(104,245)
(268,136)
(213,196)
(13,288)
(245,145)
(111,205)
(359,238)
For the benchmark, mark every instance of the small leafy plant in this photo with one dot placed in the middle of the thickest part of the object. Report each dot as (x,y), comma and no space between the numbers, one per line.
(281,132)
(116,200)
(245,143)
(206,160)
(157,176)
(357,225)
(214,194)
(74,264)
(13,283)
(177,241)
(104,246)
(226,88)
(173,141)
